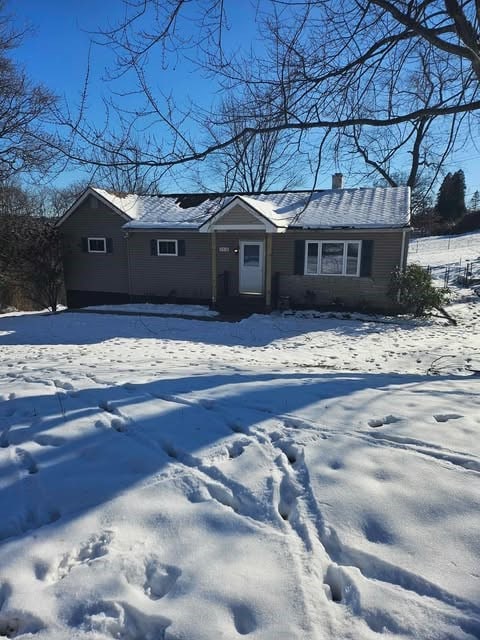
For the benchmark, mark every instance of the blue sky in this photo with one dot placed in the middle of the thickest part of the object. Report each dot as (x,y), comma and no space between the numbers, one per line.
(56,54)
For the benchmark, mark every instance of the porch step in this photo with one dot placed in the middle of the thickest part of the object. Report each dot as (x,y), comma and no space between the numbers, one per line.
(242,304)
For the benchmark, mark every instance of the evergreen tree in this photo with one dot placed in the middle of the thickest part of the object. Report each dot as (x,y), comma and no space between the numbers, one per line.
(451,197)
(475,201)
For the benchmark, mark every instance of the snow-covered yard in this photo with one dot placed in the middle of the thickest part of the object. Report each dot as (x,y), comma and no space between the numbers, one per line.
(279,478)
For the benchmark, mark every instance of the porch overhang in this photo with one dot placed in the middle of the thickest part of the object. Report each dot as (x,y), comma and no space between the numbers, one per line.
(260,224)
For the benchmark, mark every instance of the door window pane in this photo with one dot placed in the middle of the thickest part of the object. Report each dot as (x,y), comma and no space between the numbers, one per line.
(332,257)
(352,258)
(312,257)
(251,255)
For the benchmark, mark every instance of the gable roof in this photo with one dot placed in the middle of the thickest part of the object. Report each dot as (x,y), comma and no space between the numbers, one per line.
(251,206)
(376,207)
(101,195)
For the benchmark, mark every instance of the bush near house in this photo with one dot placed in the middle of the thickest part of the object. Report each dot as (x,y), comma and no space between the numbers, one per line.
(30,262)
(414,291)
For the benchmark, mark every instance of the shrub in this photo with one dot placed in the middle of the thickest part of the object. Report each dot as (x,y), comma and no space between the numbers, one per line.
(414,291)
(31,260)
(470,222)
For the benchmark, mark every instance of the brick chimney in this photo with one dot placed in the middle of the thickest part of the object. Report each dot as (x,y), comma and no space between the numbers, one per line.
(337,181)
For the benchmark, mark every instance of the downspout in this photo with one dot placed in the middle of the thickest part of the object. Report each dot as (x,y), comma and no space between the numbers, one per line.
(268,271)
(402,258)
(129,276)
(402,253)
(213,248)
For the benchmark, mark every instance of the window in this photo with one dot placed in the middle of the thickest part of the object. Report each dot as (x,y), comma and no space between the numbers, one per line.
(167,248)
(334,258)
(97,245)
(251,255)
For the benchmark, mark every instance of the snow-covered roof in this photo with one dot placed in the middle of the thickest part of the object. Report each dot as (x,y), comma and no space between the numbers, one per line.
(129,203)
(376,207)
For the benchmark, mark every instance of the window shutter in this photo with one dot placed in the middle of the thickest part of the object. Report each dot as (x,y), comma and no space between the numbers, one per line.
(299,266)
(181,247)
(109,245)
(85,245)
(153,247)
(366,259)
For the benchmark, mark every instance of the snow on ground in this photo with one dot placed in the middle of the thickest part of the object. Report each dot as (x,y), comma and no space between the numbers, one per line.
(452,252)
(277,478)
(193,310)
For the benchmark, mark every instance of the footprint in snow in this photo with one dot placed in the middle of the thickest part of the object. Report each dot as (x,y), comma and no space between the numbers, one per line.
(94,548)
(335,465)
(334,582)
(104,405)
(17,623)
(47,440)
(159,579)
(445,417)
(26,460)
(296,423)
(376,532)
(288,495)
(380,422)
(237,428)
(222,495)
(243,619)
(118,620)
(291,451)
(118,424)
(60,384)
(237,448)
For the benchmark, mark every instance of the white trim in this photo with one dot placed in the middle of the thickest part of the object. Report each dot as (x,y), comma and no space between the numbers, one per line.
(166,255)
(104,240)
(409,205)
(344,273)
(90,191)
(238,227)
(266,224)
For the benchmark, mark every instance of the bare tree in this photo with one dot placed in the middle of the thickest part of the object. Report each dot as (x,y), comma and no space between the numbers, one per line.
(58,199)
(127,178)
(253,163)
(324,66)
(14,201)
(25,108)
(411,153)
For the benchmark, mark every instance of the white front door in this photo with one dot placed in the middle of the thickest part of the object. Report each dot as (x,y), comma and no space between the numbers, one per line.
(251,267)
